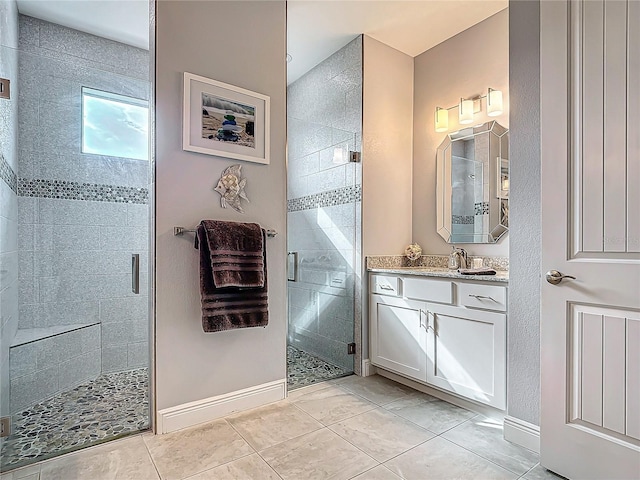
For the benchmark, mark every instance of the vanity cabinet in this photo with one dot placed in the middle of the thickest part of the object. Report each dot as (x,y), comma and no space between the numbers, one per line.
(398,336)
(448,334)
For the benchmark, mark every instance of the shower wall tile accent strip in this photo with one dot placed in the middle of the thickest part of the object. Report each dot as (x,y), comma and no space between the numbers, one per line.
(94,192)
(8,175)
(339,196)
(463,219)
(481,208)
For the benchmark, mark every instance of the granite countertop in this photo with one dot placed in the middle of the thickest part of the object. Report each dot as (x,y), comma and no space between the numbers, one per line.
(502,276)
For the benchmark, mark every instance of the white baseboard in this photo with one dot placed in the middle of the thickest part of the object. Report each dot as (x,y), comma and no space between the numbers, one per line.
(522,433)
(192,413)
(367,368)
(489,412)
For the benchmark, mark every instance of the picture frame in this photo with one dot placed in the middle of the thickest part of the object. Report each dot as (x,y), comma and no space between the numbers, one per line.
(224,120)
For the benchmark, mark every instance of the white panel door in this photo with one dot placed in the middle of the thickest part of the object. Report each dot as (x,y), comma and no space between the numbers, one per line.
(398,335)
(590,325)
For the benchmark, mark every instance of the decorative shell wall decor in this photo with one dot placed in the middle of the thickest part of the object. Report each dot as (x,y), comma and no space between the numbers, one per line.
(413,251)
(231,188)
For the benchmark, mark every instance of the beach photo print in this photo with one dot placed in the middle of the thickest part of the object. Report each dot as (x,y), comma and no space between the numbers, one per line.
(225,120)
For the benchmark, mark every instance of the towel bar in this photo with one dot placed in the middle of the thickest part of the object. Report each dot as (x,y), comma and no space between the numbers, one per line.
(182,230)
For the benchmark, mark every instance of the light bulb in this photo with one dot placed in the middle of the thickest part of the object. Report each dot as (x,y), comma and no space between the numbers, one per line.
(494,102)
(465,111)
(442,119)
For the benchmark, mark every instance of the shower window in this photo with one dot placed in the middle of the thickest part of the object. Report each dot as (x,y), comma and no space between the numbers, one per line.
(114,125)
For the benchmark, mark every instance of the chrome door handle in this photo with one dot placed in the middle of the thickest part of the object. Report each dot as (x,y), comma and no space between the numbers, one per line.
(135,273)
(292,268)
(554,277)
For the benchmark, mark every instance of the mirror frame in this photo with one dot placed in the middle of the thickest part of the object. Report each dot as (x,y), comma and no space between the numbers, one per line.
(443,175)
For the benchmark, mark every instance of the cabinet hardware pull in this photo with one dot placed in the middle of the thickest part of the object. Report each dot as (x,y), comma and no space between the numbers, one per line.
(480,297)
(385,287)
(426,325)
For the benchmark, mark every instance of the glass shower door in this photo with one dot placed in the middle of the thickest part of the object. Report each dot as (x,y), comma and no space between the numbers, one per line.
(75,315)
(324,125)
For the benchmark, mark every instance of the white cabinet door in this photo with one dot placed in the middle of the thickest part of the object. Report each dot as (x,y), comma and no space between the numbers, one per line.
(466,353)
(398,336)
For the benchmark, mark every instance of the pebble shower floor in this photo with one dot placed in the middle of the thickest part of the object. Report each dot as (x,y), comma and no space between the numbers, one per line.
(111,406)
(304,369)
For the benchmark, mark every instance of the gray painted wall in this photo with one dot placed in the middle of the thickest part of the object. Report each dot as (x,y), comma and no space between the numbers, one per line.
(74,254)
(462,66)
(8,197)
(324,113)
(192,365)
(523,376)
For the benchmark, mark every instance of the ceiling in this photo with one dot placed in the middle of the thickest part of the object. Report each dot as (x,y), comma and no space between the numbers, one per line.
(315,28)
(318,28)
(125,21)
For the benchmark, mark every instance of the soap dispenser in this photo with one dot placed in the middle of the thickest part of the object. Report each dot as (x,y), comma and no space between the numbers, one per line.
(454,258)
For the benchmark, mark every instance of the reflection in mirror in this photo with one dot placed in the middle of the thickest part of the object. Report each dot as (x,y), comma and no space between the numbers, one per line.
(473,184)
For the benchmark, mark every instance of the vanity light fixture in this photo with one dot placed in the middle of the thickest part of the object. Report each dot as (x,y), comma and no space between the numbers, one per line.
(442,119)
(467,109)
(494,102)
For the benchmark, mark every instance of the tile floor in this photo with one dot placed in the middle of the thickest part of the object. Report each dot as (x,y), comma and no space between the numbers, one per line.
(350,428)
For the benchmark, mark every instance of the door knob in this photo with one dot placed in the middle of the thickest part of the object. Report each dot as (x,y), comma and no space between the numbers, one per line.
(554,277)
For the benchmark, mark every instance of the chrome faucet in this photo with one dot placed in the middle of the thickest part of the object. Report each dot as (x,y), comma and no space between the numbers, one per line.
(464,260)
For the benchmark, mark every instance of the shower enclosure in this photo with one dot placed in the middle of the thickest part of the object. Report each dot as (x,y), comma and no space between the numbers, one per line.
(74,241)
(324,122)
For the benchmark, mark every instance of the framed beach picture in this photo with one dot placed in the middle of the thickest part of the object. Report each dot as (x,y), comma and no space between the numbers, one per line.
(225,120)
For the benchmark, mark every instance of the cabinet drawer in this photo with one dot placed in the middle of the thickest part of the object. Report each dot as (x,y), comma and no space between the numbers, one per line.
(385,285)
(486,297)
(440,291)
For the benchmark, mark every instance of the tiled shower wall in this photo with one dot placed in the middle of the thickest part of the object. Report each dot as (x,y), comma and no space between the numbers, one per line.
(471,178)
(8,196)
(324,115)
(80,216)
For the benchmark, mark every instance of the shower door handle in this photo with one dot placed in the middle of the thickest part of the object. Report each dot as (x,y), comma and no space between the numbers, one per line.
(292,266)
(135,273)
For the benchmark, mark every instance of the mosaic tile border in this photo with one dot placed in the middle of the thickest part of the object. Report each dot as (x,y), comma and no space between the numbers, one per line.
(339,196)
(432,261)
(94,192)
(463,219)
(481,208)
(8,175)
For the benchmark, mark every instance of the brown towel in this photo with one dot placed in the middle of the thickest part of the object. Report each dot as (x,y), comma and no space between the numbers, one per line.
(236,253)
(229,307)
